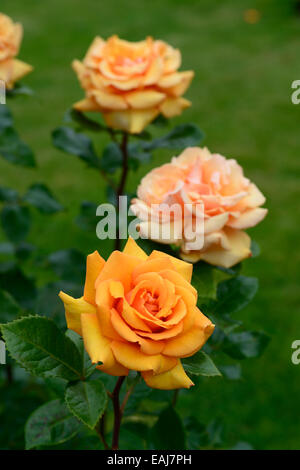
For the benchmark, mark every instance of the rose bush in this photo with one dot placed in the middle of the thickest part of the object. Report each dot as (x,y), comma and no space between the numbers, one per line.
(11,69)
(132,82)
(230,201)
(139,313)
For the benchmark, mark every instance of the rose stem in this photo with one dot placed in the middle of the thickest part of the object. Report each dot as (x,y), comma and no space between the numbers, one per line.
(122,183)
(118,413)
(175,397)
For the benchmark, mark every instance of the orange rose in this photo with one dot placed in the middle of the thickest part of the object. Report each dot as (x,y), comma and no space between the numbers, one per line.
(139,312)
(130,83)
(11,69)
(230,202)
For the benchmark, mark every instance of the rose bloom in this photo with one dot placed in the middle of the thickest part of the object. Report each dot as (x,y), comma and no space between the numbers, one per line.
(139,313)
(11,69)
(130,83)
(230,203)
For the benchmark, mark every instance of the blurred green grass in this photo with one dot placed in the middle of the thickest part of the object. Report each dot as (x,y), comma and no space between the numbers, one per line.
(241,98)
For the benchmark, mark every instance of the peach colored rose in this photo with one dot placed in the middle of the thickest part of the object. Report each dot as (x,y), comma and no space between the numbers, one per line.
(231,203)
(140,313)
(11,69)
(130,83)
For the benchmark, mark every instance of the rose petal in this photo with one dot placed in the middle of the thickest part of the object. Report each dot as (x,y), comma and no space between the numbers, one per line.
(74,308)
(131,248)
(248,219)
(213,224)
(182,86)
(131,357)
(20,69)
(119,267)
(238,249)
(172,379)
(174,106)
(109,100)
(172,332)
(98,347)
(87,104)
(189,342)
(144,99)
(255,197)
(133,121)
(94,265)
(183,268)
(122,328)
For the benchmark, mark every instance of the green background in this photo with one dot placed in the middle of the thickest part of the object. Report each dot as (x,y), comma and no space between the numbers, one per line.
(241,98)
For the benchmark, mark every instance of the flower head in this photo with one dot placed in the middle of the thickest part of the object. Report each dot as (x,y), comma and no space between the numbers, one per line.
(132,82)
(230,202)
(139,313)
(11,69)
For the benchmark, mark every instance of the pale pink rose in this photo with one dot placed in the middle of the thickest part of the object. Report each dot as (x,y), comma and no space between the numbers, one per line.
(230,202)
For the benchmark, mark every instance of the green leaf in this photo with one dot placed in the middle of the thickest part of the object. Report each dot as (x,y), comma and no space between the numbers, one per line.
(8,194)
(184,135)
(86,364)
(6,119)
(137,156)
(215,431)
(5,267)
(112,158)
(255,249)
(15,221)
(87,219)
(19,89)
(21,287)
(197,436)
(168,432)
(38,345)
(204,280)
(48,302)
(42,198)
(231,372)
(6,248)
(69,265)
(87,401)
(24,250)
(241,445)
(134,435)
(13,149)
(234,294)
(111,196)
(140,393)
(50,424)
(160,121)
(233,271)
(246,344)
(200,364)
(9,308)
(75,143)
(83,121)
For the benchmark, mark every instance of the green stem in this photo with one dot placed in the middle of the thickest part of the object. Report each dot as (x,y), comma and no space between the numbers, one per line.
(118,413)
(122,183)
(175,397)
(100,430)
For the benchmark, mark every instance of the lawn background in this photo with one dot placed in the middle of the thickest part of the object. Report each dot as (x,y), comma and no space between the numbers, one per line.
(241,99)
